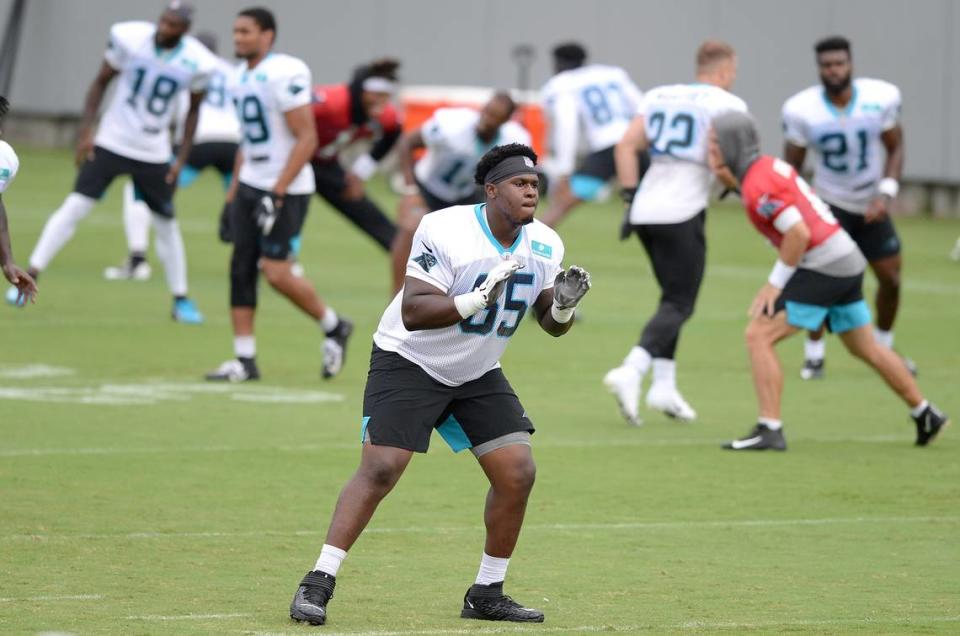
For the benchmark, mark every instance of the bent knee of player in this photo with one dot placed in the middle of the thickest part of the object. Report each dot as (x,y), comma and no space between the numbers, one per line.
(759,333)
(519,478)
(380,475)
(276,272)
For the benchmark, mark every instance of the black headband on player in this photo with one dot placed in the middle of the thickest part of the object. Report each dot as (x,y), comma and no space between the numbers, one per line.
(510,167)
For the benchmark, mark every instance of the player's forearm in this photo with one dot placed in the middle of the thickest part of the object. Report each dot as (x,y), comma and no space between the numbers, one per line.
(189,130)
(551,326)
(405,149)
(893,168)
(794,244)
(627,163)
(91,104)
(6,252)
(428,311)
(302,152)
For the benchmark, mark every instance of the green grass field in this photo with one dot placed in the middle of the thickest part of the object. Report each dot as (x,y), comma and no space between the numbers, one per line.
(137,500)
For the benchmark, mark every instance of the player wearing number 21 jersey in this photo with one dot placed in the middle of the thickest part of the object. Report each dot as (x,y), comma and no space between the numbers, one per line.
(154,63)
(668,213)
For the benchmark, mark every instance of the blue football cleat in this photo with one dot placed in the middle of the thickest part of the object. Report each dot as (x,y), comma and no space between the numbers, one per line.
(13,297)
(184,311)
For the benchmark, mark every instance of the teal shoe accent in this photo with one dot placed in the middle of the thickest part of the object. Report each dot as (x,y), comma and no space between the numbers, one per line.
(185,312)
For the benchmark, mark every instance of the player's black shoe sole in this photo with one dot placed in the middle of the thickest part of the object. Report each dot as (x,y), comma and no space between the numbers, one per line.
(812,370)
(489,603)
(309,604)
(929,424)
(759,438)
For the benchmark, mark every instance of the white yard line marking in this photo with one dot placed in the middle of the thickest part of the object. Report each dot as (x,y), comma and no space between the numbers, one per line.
(546,527)
(185,617)
(151,392)
(48,599)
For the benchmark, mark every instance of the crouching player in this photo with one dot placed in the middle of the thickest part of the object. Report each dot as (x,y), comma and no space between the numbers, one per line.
(817,278)
(436,365)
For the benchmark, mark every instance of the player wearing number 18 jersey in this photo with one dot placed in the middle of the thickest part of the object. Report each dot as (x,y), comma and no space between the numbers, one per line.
(668,213)
(817,279)
(154,64)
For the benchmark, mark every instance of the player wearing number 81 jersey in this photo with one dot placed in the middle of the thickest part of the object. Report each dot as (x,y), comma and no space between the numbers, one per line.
(668,214)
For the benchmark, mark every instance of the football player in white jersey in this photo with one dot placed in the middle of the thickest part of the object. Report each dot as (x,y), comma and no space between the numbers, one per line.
(853,126)
(455,139)
(214,146)
(154,63)
(587,105)
(9,164)
(270,193)
(435,365)
(668,213)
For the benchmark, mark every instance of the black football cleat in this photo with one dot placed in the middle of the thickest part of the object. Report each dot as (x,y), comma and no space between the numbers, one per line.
(812,369)
(489,603)
(335,348)
(929,424)
(759,438)
(309,604)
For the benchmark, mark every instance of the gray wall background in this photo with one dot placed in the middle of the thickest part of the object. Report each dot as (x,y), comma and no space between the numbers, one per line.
(909,42)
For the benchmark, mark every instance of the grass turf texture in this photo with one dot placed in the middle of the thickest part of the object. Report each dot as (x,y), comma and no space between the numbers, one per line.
(201,513)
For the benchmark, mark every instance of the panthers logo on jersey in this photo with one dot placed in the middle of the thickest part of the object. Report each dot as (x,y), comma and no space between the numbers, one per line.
(426,260)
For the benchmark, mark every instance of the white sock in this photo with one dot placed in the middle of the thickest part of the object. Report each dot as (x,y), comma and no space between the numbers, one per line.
(330,559)
(919,409)
(136,221)
(492,570)
(59,228)
(330,320)
(884,337)
(665,373)
(814,349)
(769,422)
(638,359)
(245,346)
(172,254)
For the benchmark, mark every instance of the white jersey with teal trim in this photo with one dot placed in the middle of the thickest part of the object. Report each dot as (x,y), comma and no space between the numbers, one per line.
(677,120)
(218,117)
(453,250)
(137,122)
(263,95)
(9,165)
(849,151)
(596,100)
(453,150)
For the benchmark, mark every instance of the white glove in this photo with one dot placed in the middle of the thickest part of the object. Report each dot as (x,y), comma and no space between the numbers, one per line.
(488,292)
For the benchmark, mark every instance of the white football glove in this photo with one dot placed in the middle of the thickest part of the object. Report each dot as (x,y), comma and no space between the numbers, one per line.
(488,292)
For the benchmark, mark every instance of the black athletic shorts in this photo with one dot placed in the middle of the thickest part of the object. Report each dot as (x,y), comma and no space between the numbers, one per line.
(402,405)
(596,169)
(436,203)
(149,179)
(876,240)
(810,298)
(219,155)
(283,242)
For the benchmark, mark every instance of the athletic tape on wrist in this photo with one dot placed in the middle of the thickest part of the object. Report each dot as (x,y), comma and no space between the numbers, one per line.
(562,315)
(780,274)
(364,167)
(469,303)
(889,186)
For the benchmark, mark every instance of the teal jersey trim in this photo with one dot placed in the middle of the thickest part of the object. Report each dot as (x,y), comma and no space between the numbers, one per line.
(363,428)
(847,110)
(482,220)
(453,434)
(168,55)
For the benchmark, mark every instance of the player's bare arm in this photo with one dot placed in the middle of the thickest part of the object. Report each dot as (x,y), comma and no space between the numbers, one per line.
(555,307)
(893,168)
(794,155)
(792,249)
(412,201)
(426,307)
(300,122)
(186,144)
(625,154)
(17,277)
(91,106)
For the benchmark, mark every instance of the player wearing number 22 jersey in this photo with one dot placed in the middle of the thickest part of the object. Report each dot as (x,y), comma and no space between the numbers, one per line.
(668,213)
(154,63)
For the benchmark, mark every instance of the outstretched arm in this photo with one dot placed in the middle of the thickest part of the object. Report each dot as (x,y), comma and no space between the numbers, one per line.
(17,277)
(91,106)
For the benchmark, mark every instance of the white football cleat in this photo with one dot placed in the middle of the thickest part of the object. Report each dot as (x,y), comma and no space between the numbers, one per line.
(624,383)
(139,272)
(669,401)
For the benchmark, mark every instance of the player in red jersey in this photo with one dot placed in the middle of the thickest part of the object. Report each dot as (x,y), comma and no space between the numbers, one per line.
(345,114)
(817,279)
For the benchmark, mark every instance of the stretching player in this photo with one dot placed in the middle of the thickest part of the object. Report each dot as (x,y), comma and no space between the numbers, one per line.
(593,99)
(435,365)
(668,214)
(270,193)
(455,139)
(345,114)
(854,127)
(154,63)
(817,278)
(9,164)
(214,146)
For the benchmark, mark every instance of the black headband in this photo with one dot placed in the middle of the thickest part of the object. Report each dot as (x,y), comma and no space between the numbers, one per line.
(511,167)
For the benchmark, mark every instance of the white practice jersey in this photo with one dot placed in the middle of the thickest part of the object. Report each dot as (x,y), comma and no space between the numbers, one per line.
(9,165)
(453,250)
(596,100)
(849,153)
(218,117)
(137,122)
(262,95)
(453,150)
(677,121)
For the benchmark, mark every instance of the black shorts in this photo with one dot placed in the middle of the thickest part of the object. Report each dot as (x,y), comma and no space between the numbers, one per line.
(436,203)
(596,169)
(283,242)
(876,240)
(402,405)
(149,179)
(219,155)
(810,298)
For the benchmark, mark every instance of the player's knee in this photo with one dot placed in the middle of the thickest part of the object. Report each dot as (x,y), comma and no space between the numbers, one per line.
(756,335)
(889,282)
(243,281)
(520,477)
(276,272)
(380,476)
